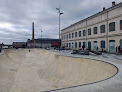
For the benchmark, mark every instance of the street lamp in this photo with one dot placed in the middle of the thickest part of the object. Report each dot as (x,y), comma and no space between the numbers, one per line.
(41,37)
(59,24)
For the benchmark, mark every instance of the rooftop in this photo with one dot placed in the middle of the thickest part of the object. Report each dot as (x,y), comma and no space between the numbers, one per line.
(101,12)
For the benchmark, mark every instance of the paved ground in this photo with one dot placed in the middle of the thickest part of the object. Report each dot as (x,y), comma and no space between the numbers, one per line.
(104,55)
(38,71)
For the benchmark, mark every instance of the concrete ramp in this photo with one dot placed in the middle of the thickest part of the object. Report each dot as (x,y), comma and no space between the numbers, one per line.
(42,70)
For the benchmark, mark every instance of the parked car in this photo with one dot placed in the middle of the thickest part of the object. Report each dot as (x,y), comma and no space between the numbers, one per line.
(80,52)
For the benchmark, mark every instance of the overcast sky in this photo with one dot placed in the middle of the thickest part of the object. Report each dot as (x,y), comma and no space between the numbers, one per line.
(16,16)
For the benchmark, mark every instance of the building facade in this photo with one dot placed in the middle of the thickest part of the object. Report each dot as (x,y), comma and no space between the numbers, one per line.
(19,44)
(41,42)
(102,31)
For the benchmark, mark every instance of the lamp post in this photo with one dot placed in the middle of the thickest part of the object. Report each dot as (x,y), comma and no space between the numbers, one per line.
(41,37)
(59,24)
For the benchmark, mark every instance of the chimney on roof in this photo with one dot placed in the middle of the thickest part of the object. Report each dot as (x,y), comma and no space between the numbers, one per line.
(103,8)
(113,3)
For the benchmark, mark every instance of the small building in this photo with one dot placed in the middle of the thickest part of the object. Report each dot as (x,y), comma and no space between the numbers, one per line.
(19,44)
(44,42)
(1,45)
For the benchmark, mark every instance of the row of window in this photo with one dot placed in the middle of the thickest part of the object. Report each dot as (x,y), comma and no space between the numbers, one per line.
(72,45)
(112,45)
(95,30)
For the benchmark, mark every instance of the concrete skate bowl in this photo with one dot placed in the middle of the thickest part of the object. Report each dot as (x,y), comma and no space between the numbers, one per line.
(41,70)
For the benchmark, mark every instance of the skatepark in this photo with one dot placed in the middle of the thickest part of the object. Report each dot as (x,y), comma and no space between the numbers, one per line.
(36,70)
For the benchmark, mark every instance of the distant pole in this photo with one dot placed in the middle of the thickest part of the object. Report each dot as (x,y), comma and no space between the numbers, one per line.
(41,38)
(32,32)
(59,24)
(59,29)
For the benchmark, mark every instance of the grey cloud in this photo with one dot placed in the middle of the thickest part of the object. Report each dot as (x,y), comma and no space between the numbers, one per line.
(21,13)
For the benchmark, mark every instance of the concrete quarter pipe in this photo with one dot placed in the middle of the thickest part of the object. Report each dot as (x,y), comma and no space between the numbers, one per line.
(42,70)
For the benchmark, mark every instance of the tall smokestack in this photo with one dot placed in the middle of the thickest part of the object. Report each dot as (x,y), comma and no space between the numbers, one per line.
(32,32)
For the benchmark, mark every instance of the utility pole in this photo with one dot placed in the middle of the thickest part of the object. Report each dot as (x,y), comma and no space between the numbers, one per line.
(32,32)
(41,38)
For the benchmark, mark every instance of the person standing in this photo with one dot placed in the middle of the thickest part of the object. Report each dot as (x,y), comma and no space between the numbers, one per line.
(118,48)
(83,46)
(97,48)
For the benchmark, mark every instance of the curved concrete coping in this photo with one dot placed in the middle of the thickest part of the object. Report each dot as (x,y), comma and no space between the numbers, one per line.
(85,57)
(110,84)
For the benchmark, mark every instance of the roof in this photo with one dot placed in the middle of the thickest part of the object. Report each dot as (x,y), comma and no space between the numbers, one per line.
(101,12)
(46,39)
(19,42)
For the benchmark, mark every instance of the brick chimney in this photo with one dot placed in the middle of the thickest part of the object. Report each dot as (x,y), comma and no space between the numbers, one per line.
(103,8)
(113,3)
(32,32)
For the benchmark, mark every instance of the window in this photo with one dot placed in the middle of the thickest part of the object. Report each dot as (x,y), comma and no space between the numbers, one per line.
(95,30)
(72,45)
(72,35)
(89,45)
(112,48)
(75,44)
(121,25)
(69,45)
(62,37)
(84,43)
(79,33)
(89,31)
(121,44)
(69,36)
(102,28)
(102,44)
(111,26)
(75,34)
(79,44)
(84,32)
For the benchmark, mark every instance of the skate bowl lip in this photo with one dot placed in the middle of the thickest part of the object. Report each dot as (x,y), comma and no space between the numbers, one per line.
(86,83)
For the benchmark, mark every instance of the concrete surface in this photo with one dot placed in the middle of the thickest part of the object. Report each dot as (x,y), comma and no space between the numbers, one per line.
(41,70)
(113,84)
